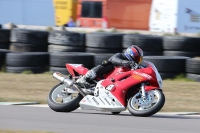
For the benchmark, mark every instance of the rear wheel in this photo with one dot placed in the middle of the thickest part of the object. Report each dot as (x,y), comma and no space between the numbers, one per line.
(61,101)
(155,100)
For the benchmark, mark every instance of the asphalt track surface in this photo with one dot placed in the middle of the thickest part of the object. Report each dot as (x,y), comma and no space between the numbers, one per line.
(83,121)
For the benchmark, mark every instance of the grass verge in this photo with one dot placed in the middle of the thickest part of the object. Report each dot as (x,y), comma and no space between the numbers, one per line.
(181,94)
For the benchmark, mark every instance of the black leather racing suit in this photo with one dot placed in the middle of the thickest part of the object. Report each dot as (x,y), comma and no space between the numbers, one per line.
(106,66)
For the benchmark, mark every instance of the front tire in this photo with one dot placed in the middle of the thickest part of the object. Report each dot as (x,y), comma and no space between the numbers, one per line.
(61,101)
(154,102)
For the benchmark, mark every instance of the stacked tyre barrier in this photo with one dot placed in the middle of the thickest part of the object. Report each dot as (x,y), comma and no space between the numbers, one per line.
(193,69)
(24,40)
(18,62)
(168,66)
(58,60)
(151,45)
(3,53)
(65,41)
(181,46)
(26,50)
(102,42)
(4,39)
(4,45)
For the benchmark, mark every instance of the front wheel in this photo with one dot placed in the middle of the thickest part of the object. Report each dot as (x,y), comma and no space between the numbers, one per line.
(61,101)
(154,101)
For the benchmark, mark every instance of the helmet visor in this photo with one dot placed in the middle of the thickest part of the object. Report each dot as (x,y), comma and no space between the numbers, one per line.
(140,59)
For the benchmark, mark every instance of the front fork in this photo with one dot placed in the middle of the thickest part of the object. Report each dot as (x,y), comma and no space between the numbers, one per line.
(143,91)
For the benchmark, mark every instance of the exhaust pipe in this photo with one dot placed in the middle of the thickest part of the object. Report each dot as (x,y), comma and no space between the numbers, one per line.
(60,77)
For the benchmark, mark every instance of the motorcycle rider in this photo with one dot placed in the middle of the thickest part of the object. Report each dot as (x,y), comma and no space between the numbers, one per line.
(133,56)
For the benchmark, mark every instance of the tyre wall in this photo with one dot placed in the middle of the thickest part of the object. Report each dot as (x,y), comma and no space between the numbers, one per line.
(20,48)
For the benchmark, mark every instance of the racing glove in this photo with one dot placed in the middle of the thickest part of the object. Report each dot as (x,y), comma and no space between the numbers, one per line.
(133,65)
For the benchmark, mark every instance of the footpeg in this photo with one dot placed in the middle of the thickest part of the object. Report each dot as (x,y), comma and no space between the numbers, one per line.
(88,91)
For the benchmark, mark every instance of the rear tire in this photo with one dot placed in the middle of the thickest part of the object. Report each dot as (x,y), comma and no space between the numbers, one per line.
(66,106)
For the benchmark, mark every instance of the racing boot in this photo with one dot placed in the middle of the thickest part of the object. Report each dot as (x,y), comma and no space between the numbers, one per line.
(90,75)
(83,80)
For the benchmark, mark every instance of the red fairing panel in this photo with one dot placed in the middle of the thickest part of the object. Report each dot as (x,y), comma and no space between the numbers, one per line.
(79,68)
(149,88)
(123,81)
(116,70)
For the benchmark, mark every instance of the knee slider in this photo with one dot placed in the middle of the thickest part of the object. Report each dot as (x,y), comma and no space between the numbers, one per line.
(105,63)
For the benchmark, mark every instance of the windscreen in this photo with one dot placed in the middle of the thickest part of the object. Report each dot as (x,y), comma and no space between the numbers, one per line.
(91,9)
(159,79)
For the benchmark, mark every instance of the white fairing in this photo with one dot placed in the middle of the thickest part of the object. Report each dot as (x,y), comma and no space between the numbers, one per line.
(103,100)
(159,79)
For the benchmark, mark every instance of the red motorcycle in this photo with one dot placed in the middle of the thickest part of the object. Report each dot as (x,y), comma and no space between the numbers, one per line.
(138,90)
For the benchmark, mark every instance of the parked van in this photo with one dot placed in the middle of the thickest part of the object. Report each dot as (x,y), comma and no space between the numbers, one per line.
(64,9)
(175,16)
(122,14)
